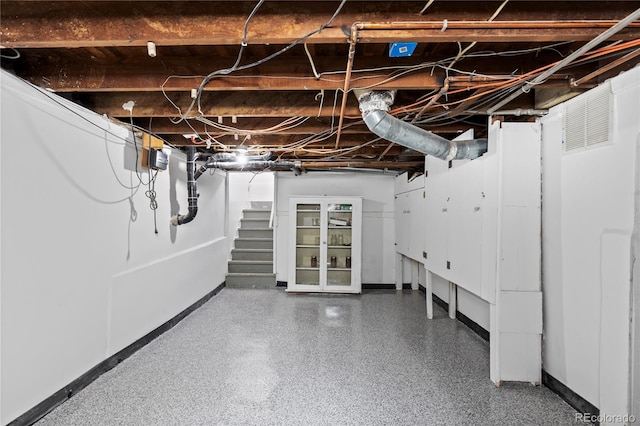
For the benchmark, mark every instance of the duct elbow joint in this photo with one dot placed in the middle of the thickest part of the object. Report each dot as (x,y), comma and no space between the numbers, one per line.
(181,219)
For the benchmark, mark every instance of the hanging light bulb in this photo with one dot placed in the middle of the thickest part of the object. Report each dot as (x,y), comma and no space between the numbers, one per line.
(241,156)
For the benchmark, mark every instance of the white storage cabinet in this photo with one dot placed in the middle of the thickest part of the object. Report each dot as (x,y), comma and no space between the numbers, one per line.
(325,247)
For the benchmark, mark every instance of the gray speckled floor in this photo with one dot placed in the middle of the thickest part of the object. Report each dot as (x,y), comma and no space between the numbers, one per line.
(265,357)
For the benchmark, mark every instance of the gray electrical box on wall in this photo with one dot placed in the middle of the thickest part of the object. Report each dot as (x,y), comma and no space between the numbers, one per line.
(158,159)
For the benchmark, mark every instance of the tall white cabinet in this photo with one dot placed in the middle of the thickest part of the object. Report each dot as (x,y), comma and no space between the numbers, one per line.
(482,234)
(325,238)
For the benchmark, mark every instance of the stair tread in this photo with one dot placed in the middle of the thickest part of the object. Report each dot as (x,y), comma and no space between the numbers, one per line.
(252,249)
(251,274)
(256,229)
(254,239)
(250,262)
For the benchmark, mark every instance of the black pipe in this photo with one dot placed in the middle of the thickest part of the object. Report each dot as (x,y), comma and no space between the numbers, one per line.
(243,166)
(192,190)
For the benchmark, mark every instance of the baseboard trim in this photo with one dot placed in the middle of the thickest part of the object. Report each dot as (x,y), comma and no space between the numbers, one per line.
(372,286)
(46,406)
(572,398)
(474,326)
(364,286)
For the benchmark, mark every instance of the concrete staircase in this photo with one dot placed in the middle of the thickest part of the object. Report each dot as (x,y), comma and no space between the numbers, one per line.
(251,264)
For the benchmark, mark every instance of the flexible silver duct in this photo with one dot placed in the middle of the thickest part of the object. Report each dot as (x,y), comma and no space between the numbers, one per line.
(374,106)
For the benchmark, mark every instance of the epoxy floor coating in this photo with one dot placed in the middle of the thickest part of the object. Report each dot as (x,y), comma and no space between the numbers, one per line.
(266,357)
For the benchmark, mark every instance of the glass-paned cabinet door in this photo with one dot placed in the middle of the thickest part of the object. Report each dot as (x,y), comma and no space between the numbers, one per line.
(339,238)
(325,248)
(307,253)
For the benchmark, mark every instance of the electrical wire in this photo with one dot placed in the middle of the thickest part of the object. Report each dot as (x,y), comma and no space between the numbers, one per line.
(236,67)
(313,66)
(16,54)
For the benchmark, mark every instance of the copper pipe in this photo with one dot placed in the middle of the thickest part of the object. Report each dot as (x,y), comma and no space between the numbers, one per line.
(609,66)
(385,151)
(443,90)
(490,25)
(619,26)
(370,164)
(353,40)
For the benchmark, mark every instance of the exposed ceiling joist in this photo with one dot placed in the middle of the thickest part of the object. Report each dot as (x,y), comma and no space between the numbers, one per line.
(470,56)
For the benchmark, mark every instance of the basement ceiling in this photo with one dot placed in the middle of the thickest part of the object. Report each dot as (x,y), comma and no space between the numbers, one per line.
(272,75)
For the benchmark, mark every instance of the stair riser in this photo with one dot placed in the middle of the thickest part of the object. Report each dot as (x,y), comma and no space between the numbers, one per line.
(254,244)
(254,223)
(251,282)
(252,255)
(251,268)
(262,205)
(255,233)
(252,214)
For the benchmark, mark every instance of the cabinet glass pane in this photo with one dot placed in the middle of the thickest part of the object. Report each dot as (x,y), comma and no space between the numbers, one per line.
(339,277)
(339,225)
(339,244)
(308,225)
(307,276)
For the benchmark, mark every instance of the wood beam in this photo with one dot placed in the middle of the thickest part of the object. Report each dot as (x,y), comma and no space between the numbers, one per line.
(239,104)
(56,71)
(162,126)
(244,125)
(280,140)
(90,24)
(393,165)
(154,76)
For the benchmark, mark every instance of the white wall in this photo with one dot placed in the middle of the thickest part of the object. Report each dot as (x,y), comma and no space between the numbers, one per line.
(378,234)
(588,218)
(635,387)
(83,273)
(245,187)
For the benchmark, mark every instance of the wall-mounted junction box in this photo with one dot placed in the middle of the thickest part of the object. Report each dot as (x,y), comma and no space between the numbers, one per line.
(158,160)
(149,144)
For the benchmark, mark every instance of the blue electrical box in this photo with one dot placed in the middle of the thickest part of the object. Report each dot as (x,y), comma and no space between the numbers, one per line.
(399,49)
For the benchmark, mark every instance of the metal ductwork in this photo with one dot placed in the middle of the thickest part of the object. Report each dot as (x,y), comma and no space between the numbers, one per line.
(234,156)
(192,190)
(246,165)
(224,161)
(374,106)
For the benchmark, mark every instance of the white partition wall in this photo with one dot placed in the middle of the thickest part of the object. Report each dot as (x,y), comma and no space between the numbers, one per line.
(483,235)
(590,174)
(83,272)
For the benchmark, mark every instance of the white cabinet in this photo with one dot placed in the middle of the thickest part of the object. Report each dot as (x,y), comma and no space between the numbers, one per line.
(402,224)
(453,216)
(482,233)
(409,213)
(325,244)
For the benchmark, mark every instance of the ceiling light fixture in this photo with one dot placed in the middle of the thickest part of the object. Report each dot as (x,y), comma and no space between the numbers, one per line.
(241,156)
